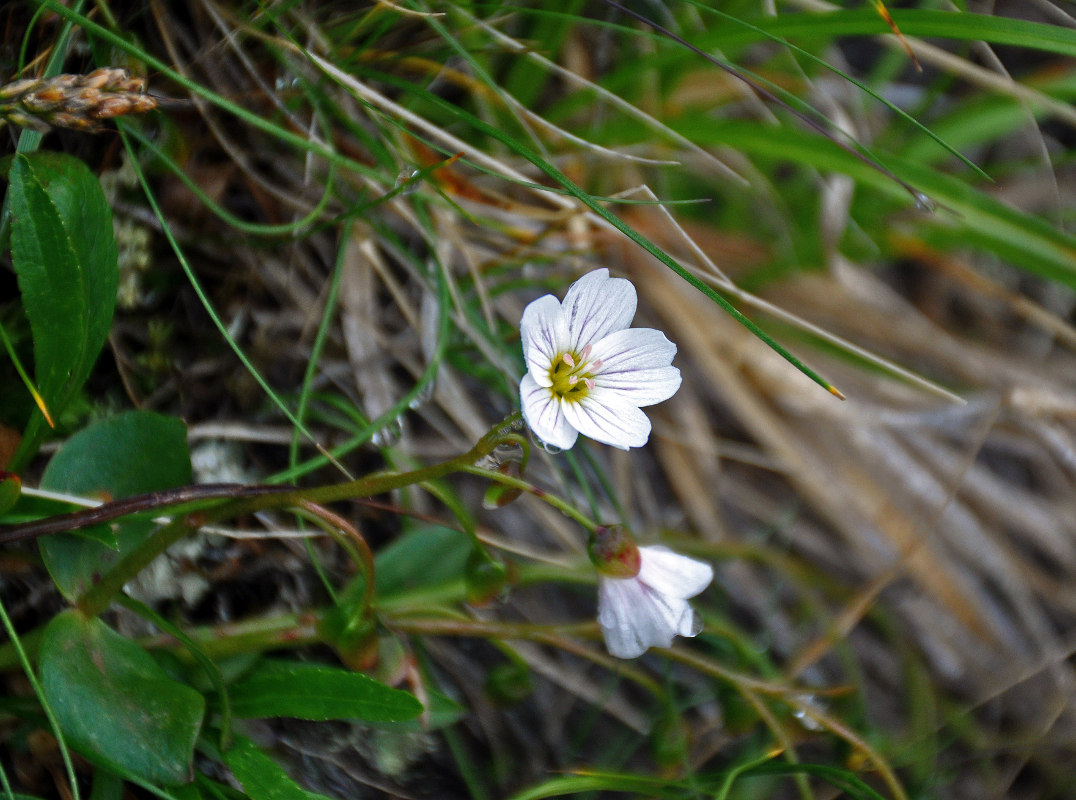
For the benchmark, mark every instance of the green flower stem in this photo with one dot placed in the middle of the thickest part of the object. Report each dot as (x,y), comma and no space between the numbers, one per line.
(218,642)
(301,628)
(563,506)
(297,630)
(350,539)
(97,599)
(563,637)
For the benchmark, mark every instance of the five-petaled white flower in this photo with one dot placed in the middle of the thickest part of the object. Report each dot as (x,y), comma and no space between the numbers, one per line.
(650,608)
(587,372)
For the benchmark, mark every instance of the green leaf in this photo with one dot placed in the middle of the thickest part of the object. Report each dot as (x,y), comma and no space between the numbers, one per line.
(130,453)
(115,704)
(317,692)
(425,556)
(261,777)
(65,258)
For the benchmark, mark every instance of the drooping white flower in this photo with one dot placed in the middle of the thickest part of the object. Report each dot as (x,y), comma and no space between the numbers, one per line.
(647,609)
(587,371)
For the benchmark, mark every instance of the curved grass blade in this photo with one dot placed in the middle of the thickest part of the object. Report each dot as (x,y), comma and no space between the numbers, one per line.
(883,12)
(1019,237)
(50,715)
(39,401)
(765,94)
(851,79)
(594,204)
(204,299)
(955,25)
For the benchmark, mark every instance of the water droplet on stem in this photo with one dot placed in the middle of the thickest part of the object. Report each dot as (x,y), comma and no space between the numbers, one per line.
(390,434)
(925,203)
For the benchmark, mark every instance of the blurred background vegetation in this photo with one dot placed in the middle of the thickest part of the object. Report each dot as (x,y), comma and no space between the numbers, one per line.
(328,230)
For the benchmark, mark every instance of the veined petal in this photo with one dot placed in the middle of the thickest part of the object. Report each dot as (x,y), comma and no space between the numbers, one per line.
(543,333)
(609,420)
(641,388)
(633,349)
(544,415)
(617,604)
(596,305)
(660,617)
(633,618)
(672,574)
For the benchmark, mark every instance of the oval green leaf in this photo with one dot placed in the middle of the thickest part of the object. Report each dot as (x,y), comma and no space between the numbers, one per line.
(318,692)
(124,455)
(65,259)
(115,704)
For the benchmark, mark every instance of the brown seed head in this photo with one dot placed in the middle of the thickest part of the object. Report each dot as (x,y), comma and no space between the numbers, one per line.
(74,101)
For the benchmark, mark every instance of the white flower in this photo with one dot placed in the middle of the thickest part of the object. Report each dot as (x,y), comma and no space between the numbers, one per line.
(587,372)
(651,608)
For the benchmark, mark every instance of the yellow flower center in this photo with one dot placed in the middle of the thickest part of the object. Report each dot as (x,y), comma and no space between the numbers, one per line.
(572,375)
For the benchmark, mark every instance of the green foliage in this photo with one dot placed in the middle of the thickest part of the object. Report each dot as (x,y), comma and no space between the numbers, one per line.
(128,454)
(316,692)
(261,777)
(460,163)
(64,254)
(423,557)
(115,704)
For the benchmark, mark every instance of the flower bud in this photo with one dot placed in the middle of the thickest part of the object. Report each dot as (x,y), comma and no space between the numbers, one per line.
(498,495)
(613,552)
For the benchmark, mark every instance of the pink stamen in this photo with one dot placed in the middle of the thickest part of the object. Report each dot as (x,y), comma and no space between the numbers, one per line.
(589,382)
(586,352)
(567,359)
(573,380)
(596,365)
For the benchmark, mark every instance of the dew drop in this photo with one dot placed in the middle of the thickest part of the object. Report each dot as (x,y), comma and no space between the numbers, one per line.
(390,434)
(805,719)
(696,624)
(406,175)
(424,396)
(552,449)
(924,203)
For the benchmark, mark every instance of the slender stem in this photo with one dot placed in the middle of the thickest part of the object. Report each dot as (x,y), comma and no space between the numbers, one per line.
(563,506)
(135,504)
(351,540)
(97,599)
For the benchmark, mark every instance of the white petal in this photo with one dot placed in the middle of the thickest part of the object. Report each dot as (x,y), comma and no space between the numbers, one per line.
(635,366)
(634,618)
(632,349)
(617,601)
(672,574)
(661,617)
(543,414)
(596,305)
(543,333)
(642,388)
(609,420)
